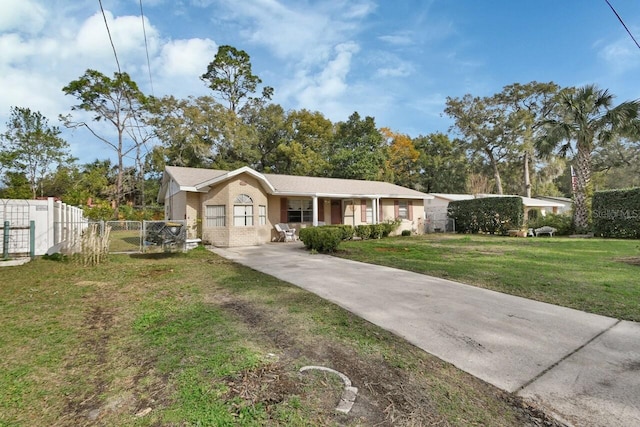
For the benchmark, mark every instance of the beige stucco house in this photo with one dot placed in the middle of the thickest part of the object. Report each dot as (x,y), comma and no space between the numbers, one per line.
(241,207)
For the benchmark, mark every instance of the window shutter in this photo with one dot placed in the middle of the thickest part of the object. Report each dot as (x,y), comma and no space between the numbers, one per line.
(380,217)
(363,211)
(283,209)
(396,208)
(321,210)
(410,209)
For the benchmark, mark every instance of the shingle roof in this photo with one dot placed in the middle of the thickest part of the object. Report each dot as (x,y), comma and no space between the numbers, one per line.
(527,201)
(299,185)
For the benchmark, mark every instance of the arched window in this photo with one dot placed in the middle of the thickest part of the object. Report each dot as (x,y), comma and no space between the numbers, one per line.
(243,211)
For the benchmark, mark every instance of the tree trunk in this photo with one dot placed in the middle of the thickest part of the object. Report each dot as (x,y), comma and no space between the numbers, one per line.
(118,197)
(527,177)
(581,192)
(496,172)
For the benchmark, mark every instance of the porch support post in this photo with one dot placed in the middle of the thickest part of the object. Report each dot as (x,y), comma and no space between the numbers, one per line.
(376,210)
(315,211)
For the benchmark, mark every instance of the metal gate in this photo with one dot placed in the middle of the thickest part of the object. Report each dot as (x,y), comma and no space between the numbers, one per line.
(146,236)
(17,230)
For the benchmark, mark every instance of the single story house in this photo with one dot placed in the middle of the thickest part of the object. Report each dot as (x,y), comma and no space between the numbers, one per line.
(241,207)
(436,208)
(567,204)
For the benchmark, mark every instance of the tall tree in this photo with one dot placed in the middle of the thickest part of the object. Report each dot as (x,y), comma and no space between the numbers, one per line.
(269,127)
(528,105)
(487,128)
(402,166)
(443,164)
(15,185)
(33,145)
(584,119)
(191,130)
(117,101)
(305,151)
(230,76)
(358,149)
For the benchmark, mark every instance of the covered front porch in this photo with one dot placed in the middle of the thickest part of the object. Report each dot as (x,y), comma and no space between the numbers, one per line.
(318,210)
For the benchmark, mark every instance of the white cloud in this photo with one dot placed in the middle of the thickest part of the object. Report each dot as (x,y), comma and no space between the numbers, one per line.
(186,57)
(402,39)
(22,15)
(316,90)
(621,55)
(92,39)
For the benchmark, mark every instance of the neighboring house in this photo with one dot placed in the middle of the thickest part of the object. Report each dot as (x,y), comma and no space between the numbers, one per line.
(241,207)
(567,204)
(436,211)
(436,208)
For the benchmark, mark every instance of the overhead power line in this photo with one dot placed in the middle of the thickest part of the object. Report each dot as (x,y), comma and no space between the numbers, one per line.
(146,47)
(623,24)
(106,24)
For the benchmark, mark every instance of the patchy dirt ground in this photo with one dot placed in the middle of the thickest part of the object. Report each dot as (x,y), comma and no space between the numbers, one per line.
(387,395)
(115,379)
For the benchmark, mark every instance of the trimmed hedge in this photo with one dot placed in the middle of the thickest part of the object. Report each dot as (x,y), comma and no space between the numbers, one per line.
(325,238)
(488,214)
(616,213)
(376,231)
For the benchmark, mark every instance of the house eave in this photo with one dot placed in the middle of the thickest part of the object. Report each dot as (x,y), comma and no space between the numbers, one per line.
(350,195)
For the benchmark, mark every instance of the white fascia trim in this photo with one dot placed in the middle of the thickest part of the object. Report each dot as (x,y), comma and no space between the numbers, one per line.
(195,189)
(352,196)
(245,169)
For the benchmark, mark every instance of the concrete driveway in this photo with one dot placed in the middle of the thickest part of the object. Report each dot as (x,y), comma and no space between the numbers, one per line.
(582,368)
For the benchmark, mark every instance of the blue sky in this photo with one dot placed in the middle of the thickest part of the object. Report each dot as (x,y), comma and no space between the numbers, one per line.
(394,60)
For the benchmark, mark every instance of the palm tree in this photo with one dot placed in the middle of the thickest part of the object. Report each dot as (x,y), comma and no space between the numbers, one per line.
(584,119)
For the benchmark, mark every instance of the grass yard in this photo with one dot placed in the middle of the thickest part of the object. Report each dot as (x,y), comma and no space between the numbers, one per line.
(192,339)
(596,275)
(125,240)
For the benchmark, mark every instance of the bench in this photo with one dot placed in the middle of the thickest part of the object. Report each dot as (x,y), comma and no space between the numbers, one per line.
(545,230)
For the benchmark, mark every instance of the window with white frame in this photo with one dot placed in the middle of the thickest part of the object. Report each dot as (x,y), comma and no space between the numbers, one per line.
(403,209)
(299,210)
(262,215)
(215,216)
(243,211)
(369,212)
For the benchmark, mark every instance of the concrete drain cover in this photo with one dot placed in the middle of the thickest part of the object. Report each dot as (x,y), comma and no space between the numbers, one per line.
(348,395)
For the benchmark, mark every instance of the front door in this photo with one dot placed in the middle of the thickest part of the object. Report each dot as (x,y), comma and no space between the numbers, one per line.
(336,212)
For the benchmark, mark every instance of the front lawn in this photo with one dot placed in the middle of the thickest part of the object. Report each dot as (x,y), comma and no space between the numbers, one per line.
(192,339)
(596,275)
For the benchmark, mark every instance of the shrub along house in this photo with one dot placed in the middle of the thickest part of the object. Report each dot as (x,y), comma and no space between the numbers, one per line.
(241,207)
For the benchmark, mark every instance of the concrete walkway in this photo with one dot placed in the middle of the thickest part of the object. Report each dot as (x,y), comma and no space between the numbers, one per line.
(582,368)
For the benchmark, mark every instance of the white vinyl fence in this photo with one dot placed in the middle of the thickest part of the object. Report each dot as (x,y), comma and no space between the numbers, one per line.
(36,226)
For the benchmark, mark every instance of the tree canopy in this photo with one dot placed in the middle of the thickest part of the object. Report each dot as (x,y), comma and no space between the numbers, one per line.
(32,147)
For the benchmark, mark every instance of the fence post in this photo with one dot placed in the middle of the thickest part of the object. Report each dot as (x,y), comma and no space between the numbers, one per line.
(5,241)
(32,239)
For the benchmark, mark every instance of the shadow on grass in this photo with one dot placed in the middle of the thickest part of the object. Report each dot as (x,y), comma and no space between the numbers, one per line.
(157,255)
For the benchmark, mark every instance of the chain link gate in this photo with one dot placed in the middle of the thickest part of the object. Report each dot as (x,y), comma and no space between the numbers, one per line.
(146,236)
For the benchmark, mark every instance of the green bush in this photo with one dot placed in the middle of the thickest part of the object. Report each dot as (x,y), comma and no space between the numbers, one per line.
(561,222)
(488,214)
(322,239)
(376,231)
(363,231)
(616,213)
(389,227)
(406,233)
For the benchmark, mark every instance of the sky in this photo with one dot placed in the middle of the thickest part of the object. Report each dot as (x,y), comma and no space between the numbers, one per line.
(396,61)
